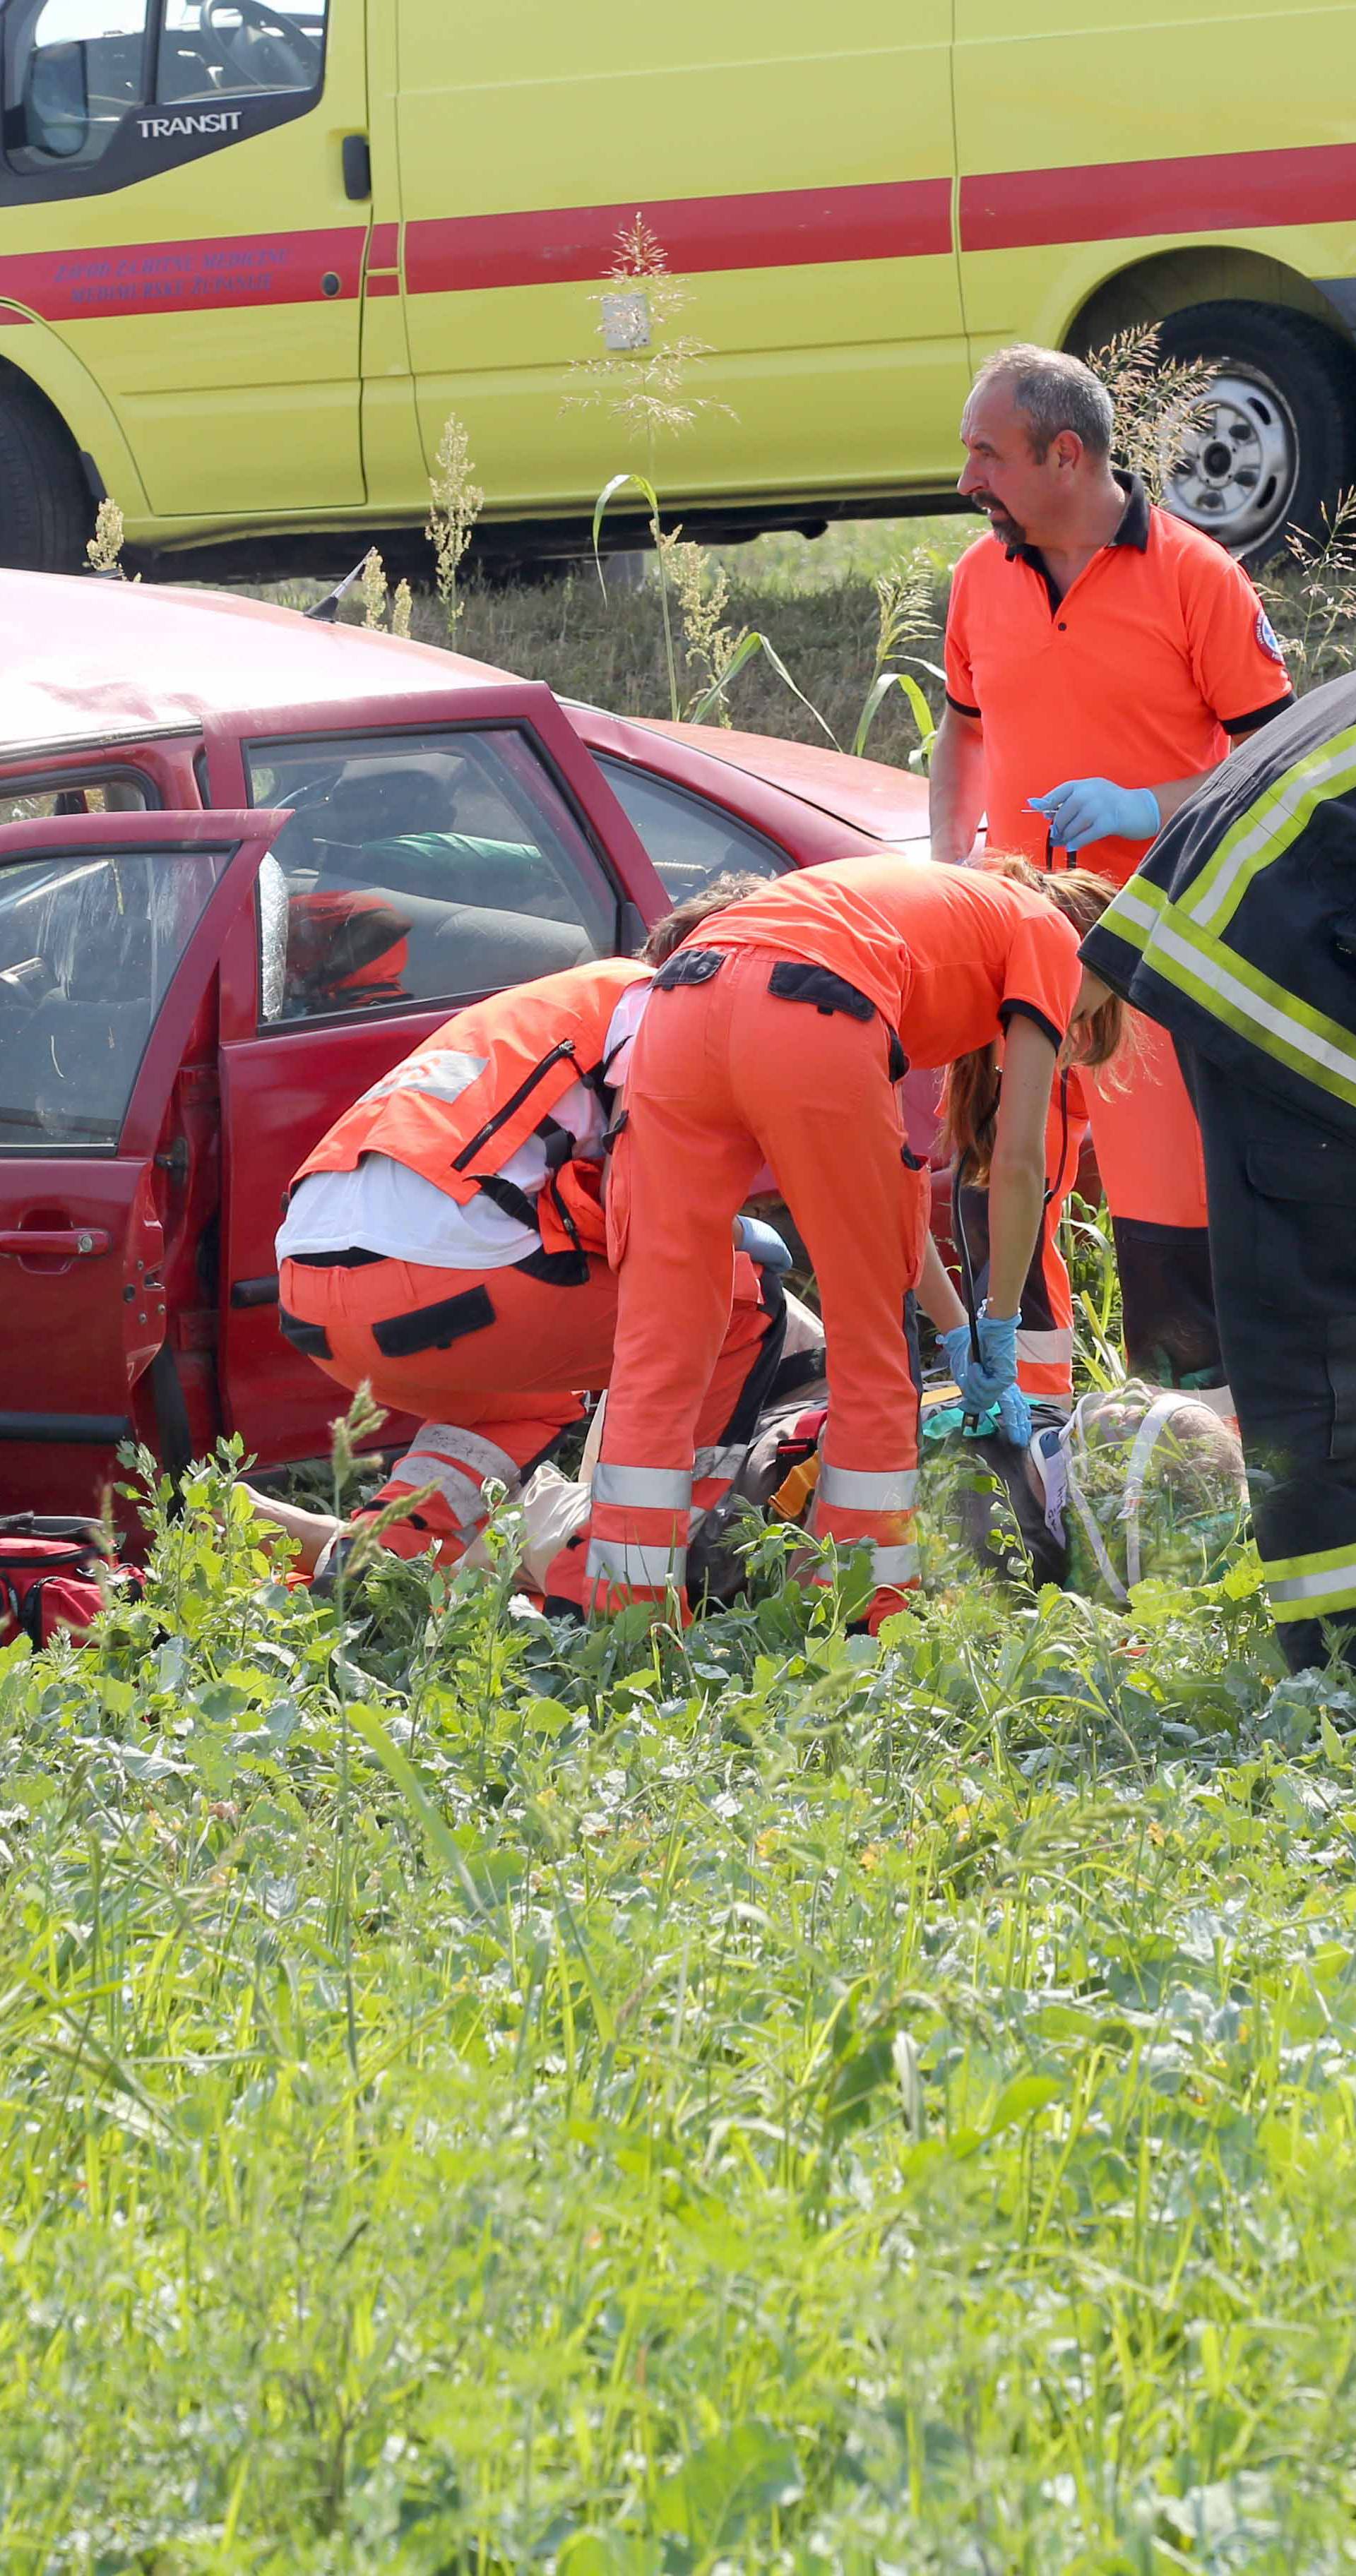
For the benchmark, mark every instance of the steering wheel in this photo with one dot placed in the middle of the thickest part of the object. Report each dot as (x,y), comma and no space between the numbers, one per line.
(265,51)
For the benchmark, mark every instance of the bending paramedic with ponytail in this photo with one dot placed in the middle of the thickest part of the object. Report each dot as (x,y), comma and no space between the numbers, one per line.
(778,1034)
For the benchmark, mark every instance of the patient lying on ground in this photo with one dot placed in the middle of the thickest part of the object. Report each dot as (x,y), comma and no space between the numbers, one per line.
(1139,1483)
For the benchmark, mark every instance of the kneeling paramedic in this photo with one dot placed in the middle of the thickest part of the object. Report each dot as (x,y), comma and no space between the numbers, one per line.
(1238,935)
(445,1242)
(778,1034)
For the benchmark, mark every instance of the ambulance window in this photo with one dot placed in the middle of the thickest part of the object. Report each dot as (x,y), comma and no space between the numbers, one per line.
(229,48)
(419,868)
(89,946)
(79,65)
(688,839)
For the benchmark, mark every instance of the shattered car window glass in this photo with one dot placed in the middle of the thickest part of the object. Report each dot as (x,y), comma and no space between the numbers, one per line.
(89,945)
(419,867)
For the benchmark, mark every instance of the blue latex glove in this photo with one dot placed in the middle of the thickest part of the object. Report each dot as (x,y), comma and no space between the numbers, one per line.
(956,1345)
(1094,809)
(762,1243)
(987,1380)
(1014,1418)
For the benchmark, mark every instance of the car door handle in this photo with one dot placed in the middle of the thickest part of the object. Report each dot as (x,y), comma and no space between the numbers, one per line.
(255,1292)
(355,154)
(84,1240)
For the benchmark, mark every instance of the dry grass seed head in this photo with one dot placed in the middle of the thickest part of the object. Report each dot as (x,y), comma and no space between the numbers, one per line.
(374,589)
(456,502)
(641,378)
(1161,404)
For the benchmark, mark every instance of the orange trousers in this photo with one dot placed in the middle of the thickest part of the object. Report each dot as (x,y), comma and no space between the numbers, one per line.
(1148,1143)
(727,1076)
(490,1362)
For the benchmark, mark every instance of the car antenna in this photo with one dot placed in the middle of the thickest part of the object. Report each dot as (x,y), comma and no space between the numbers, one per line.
(325,610)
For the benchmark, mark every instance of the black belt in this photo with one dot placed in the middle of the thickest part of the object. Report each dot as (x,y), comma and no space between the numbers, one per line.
(353,1257)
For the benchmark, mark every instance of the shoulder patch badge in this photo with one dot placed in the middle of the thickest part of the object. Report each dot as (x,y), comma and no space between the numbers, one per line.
(1267,636)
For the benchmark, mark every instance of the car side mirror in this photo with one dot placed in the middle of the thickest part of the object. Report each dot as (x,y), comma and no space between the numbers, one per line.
(56,100)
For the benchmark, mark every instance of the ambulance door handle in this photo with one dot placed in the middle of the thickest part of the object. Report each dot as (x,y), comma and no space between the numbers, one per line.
(356,154)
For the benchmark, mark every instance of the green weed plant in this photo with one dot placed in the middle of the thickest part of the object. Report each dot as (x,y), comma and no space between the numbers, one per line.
(479,2095)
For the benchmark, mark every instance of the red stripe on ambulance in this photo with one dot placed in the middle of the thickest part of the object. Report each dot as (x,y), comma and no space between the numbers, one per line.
(1214,192)
(777,228)
(185,277)
(782,228)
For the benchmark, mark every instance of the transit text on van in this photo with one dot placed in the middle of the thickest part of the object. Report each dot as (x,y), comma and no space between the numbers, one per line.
(219,120)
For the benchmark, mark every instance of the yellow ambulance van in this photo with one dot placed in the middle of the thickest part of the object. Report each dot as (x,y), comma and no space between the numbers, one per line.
(253,252)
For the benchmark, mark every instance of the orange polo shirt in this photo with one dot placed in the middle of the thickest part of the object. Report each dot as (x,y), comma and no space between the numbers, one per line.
(1154,657)
(946,954)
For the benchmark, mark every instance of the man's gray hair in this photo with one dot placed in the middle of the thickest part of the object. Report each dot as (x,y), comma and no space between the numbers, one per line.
(1053,392)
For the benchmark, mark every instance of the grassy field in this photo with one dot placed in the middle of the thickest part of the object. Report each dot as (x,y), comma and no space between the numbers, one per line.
(477,2098)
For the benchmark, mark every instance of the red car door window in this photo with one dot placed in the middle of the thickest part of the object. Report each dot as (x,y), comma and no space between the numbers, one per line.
(89,946)
(419,867)
(110,927)
(83,791)
(689,837)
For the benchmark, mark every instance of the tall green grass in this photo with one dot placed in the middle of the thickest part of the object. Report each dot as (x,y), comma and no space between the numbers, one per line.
(802,2104)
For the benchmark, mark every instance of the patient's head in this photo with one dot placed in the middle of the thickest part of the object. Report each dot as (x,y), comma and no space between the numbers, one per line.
(1155,1489)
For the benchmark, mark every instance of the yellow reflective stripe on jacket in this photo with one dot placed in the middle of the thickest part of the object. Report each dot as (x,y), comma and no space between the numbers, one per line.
(1132,915)
(1259,1010)
(1268,828)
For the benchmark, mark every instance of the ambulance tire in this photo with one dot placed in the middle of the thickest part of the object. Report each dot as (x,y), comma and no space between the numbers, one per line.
(45,510)
(1305,381)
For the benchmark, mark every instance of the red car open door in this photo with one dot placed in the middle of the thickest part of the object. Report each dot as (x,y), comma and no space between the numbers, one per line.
(110,928)
(442,845)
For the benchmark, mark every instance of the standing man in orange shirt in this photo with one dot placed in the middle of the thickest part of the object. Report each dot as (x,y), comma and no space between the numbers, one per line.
(1100,657)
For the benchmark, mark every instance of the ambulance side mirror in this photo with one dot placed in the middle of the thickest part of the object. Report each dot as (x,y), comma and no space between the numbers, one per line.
(56,100)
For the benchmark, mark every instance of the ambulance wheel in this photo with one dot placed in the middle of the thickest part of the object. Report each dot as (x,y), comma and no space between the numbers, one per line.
(45,511)
(1278,441)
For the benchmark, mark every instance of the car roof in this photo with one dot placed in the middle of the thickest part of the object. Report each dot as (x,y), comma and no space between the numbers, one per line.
(887,803)
(110,661)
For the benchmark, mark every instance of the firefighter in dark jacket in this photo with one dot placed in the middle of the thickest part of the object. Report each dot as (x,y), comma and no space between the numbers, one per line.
(1238,934)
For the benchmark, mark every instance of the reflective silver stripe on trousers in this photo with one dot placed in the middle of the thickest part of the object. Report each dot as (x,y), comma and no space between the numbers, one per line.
(896,1565)
(647,1489)
(461,1493)
(852,1490)
(1045,1347)
(719,1462)
(468,1449)
(648,1569)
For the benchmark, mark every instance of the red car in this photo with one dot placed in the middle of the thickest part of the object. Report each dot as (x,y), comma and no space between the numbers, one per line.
(247,860)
